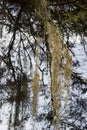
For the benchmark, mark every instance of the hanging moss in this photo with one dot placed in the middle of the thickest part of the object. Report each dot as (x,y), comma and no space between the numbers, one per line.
(35,87)
(35,84)
(55,41)
(56,44)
